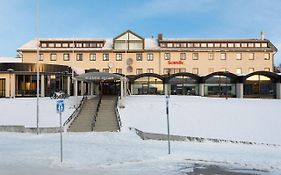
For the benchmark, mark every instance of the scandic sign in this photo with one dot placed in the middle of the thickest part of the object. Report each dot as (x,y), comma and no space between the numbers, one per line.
(175,62)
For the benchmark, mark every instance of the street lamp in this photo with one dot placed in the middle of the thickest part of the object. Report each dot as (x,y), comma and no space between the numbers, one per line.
(10,81)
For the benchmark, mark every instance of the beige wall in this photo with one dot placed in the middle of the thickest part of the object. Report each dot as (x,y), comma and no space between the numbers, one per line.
(158,64)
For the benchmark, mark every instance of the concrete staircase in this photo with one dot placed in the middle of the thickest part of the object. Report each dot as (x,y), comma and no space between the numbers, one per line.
(106,119)
(83,122)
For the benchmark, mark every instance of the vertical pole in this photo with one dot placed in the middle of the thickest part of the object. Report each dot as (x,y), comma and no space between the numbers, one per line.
(168,124)
(60,138)
(37,67)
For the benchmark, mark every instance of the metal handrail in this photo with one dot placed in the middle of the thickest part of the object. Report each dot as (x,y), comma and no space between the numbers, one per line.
(96,112)
(117,114)
(75,113)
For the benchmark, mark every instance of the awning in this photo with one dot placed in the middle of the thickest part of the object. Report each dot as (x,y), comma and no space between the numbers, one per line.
(99,76)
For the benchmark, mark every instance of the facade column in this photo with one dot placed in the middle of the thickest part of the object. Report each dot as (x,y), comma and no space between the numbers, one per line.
(75,87)
(92,88)
(68,85)
(97,90)
(82,88)
(42,85)
(239,90)
(201,89)
(278,90)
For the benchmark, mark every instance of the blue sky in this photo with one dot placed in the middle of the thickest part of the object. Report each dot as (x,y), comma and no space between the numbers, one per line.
(108,18)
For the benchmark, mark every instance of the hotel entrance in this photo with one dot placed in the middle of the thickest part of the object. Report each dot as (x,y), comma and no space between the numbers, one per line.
(110,88)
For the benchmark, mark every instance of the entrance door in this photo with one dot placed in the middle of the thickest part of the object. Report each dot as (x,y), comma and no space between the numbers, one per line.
(2,87)
(110,88)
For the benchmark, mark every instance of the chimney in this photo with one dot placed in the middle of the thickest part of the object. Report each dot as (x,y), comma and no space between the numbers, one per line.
(262,35)
(160,36)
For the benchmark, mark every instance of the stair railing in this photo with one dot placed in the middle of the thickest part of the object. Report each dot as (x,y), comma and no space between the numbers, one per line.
(96,112)
(72,117)
(117,114)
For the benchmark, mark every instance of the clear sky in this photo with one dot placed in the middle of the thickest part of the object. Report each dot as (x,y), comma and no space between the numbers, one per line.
(108,18)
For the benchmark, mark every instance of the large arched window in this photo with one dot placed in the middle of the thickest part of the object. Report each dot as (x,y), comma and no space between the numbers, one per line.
(259,86)
(148,84)
(220,85)
(183,85)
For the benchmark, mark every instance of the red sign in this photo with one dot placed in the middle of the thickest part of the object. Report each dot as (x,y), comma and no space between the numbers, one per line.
(175,62)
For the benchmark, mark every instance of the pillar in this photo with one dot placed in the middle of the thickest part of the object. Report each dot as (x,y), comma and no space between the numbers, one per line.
(122,88)
(239,90)
(75,87)
(97,90)
(201,89)
(278,90)
(42,86)
(167,89)
(125,87)
(92,88)
(82,88)
(68,85)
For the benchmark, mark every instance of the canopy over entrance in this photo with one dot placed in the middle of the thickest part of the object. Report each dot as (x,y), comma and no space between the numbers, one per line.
(99,76)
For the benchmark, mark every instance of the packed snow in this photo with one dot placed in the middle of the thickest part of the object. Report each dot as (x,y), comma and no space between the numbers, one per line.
(255,120)
(123,153)
(22,111)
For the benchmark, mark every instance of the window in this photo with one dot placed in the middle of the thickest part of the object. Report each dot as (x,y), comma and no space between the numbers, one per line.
(223,45)
(196,44)
(170,45)
(150,70)
(79,57)
(167,56)
(119,57)
(105,70)
(210,44)
(237,45)
(251,56)
(139,71)
(66,57)
(250,44)
(41,57)
(86,45)
(203,44)
(53,57)
(190,45)
(93,57)
(266,56)
(119,70)
(163,45)
(58,44)
(182,69)
(105,57)
(238,56)
(244,45)
(210,70)
(195,56)
(222,69)
(150,57)
(99,45)
(251,69)
(230,45)
(139,56)
(217,45)
(263,44)
(183,44)
(211,56)
(78,44)
(43,45)
(166,71)
(239,71)
(92,45)
(257,44)
(267,69)
(71,45)
(183,56)
(223,56)
(51,45)
(176,44)
(64,44)
(195,71)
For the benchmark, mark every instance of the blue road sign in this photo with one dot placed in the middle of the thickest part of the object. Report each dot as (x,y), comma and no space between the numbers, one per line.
(60,106)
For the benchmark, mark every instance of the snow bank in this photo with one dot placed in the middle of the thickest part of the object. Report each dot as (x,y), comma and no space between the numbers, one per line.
(22,111)
(255,120)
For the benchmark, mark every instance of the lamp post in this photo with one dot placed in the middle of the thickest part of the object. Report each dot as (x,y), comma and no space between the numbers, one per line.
(10,81)
(37,67)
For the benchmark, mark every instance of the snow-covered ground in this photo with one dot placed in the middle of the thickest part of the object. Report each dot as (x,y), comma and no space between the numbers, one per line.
(256,120)
(22,111)
(124,153)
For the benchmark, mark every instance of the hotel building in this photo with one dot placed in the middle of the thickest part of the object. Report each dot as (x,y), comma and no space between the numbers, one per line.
(206,67)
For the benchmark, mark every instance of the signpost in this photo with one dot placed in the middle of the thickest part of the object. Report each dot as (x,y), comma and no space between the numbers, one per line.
(60,109)
(168,123)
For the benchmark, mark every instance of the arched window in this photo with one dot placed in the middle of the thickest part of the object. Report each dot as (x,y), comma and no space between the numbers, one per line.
(147,84)
(183,85)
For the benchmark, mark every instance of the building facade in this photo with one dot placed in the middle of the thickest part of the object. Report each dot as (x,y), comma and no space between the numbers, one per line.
(131,54)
